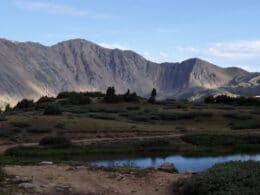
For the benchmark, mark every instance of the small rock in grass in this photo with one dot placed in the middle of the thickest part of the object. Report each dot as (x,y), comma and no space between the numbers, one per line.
(46,163)
(26,185)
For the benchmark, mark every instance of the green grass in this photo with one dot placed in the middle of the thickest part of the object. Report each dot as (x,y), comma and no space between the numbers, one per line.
(229,178)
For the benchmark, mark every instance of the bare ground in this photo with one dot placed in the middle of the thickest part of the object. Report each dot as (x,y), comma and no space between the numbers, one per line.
(64,179)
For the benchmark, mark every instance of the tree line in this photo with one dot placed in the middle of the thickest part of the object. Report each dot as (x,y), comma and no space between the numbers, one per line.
(240,101)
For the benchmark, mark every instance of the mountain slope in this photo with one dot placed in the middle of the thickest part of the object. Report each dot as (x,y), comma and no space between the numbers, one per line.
(31,70)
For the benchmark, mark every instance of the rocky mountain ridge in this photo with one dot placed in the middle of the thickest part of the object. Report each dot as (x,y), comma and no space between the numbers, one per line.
(31,70)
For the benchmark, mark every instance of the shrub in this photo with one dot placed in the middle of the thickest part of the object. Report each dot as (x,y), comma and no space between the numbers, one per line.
(130,97)
(153,143)
(237,116)
(45,99)
(182,129)
(20,124)
(38,131)
(2,174)
(133,108)
(253,124)
(183,116)
(55,141)
(240,101)
(74,98)
(220,140)
(79,99)
(8,133)
(102,116)
(3,117)
(25,104)
(52,109)
(227,178)
(60,125)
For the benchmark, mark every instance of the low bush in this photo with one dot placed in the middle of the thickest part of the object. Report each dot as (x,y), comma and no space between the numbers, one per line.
(183,116)
(102,116)
(250,124)
(182,129)
(228,178)
(2,174)
(133,108)
(20,124)
(8,133)
(60,126)
(74,98)
(52,109)
(237,116)
(55,141)
(45,99)
(2,117)
(38,131)
(220,140)
(153,143)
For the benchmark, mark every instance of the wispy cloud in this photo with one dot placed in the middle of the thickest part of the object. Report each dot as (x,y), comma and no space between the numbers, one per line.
(56,9)
(114,46)
(238,49)
(187,49)
(244,54)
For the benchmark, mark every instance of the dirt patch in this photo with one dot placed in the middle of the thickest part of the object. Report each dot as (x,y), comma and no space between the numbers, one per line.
(63,179)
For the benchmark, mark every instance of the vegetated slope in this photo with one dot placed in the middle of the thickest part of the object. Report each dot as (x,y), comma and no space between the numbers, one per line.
(31,70)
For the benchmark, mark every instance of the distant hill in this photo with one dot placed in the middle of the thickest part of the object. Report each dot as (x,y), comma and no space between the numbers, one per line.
(31,70)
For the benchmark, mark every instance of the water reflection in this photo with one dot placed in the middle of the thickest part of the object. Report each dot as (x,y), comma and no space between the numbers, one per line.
(183,164)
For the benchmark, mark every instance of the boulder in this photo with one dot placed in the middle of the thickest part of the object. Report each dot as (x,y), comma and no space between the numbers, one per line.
(167,167)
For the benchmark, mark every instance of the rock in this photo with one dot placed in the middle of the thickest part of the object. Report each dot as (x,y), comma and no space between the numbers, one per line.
(20,179)
(63,188)
(72,169)
(26,185)
(167,167)
(46,163)
(119,179)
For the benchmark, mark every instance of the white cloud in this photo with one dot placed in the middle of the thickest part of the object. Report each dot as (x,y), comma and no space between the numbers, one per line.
(239,49)
(164,55)
(56,9)
(244,54)
(114,46)
(187,49)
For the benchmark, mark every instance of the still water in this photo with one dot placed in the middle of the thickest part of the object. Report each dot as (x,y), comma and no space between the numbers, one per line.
(183,164)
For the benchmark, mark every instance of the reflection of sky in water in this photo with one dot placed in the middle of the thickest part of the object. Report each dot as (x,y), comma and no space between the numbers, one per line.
(183,164)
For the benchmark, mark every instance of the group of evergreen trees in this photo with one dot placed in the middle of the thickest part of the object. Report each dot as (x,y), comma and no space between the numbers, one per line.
(111,96)
(225,99)
(75,98)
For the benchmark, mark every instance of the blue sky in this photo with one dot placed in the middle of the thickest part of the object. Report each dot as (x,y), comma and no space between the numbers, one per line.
(225,32)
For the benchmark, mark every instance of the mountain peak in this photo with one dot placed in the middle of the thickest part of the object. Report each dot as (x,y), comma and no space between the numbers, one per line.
(31,70)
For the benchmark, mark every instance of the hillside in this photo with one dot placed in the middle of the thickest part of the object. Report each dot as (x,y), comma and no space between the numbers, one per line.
(31,70)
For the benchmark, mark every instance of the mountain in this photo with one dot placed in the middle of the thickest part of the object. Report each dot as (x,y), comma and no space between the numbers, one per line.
(31,70)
